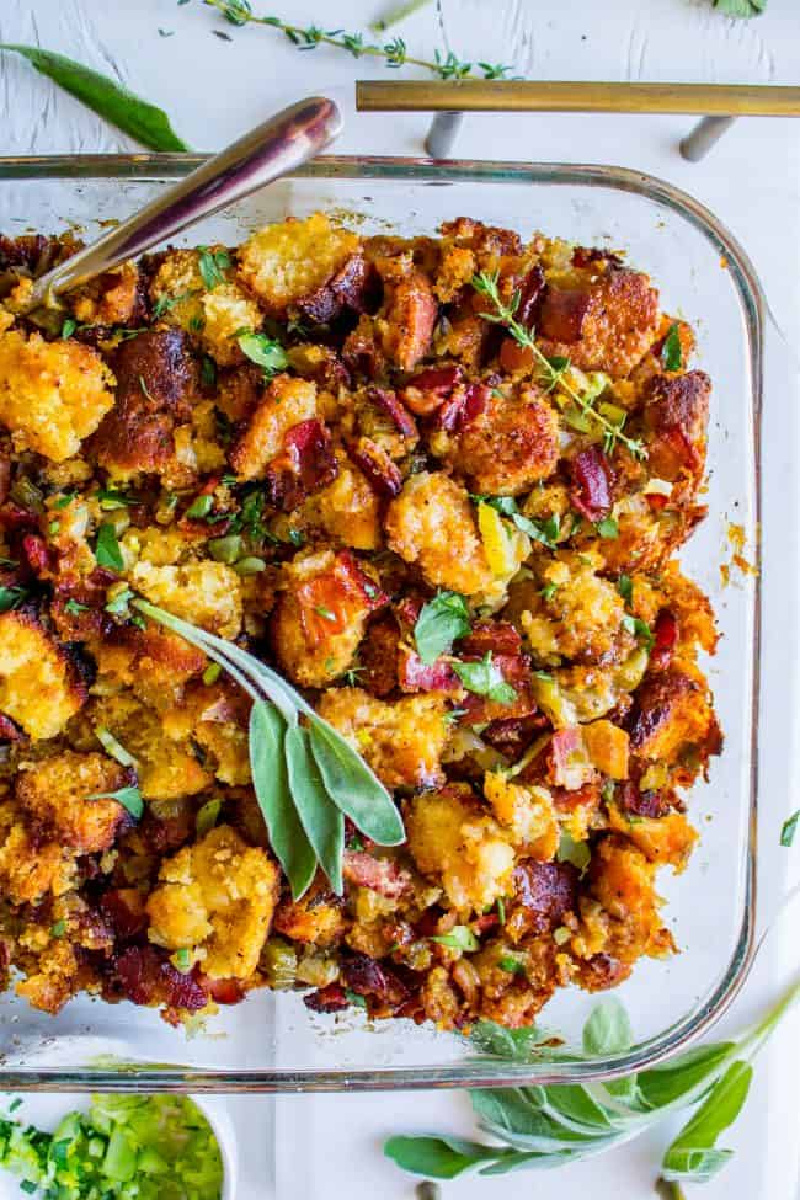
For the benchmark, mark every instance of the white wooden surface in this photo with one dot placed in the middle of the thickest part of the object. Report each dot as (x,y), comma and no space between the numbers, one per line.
(310,1148)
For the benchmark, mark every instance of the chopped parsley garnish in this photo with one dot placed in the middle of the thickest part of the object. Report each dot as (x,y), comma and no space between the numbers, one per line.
(64,500)
(75,608)
(514,966)
(607,528)
(128,797)
(639,628)
(484,678)
(68,328)
(440,622)
(789,829)
(208,373)
(327,613)
(625,588)
(545,531)
(671,352)
(211,673)
(11,597)
(118,604)
(200,507)
(548,591)
(107,549)
(213,264)
(265,351)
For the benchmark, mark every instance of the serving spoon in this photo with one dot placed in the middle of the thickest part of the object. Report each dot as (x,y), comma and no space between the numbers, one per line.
(272,149)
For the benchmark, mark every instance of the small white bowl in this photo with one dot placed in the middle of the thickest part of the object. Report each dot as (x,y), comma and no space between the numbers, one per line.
(213,1108)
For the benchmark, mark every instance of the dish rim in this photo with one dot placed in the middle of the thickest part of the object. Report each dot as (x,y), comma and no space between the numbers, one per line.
(483,1072)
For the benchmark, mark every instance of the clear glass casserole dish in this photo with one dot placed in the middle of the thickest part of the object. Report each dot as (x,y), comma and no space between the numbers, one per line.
(270,1042)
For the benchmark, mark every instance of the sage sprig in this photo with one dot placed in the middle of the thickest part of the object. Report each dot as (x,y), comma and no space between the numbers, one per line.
(306,776)
(116,104)
(540,1127)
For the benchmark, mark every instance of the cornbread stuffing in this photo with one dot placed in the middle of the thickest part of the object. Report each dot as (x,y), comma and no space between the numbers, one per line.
(318,445)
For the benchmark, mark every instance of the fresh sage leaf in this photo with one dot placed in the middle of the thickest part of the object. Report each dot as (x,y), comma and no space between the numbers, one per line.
(264,351)
(353,787)
(693,1156)
(441,621)
(572,1103)
(518,1045)
(271,782)
(671,352)
(320,818)
(663,1085)
(518,1116)
(608,1029)
(128,797)
(741,8)
(436,1157)
(109,99)
(484,678)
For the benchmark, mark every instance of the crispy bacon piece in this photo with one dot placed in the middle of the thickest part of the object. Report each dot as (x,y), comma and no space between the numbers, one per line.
(416,676)
(145,975)
(462,407)
(530,292)
(13,517)
(224,991)
(367,977)
(513,734)
(348,288)
(649,803)
(9,732)
(329,999)
(37,555)
(498,636)
(373,461)
(308,463)
(591,492)
(380,875)
(124,909)
(665,639)
(387,401)
(379,657)
(543,893)
(602,971)
(427,391)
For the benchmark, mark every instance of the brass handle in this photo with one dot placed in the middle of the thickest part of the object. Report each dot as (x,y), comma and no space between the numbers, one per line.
(479,95)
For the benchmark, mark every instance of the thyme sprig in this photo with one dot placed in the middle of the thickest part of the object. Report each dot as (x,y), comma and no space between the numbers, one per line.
(394,52)
(553,373)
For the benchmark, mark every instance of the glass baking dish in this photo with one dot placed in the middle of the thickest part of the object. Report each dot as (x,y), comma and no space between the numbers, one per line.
(271,1043)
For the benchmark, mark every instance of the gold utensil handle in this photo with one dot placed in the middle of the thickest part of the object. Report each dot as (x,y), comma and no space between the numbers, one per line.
(478,95)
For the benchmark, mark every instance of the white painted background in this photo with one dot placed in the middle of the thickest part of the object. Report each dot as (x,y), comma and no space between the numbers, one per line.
(327,1148)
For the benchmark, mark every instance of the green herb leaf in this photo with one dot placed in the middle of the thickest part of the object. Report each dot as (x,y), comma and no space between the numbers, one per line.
(460,937)
(322,821)
(265,351)
(109,99)
(68,328)
(74,608)
(671,353)
(207,816)
(118,607)
(608,1029)
(212,265)
(57,931)
(607,528)
(107,550)
(484,678)
(200,507)
(625,588)
(11,597)
(271,782)
(354,998)
(741,8)
(353,787)
(789,829)
(545,531)
(518,1045)
(441,621)
(692,1156)
(668,1083)
(128,797)
(639,628)
(514,966)
(572,851)
(548,592)
(436,1157)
